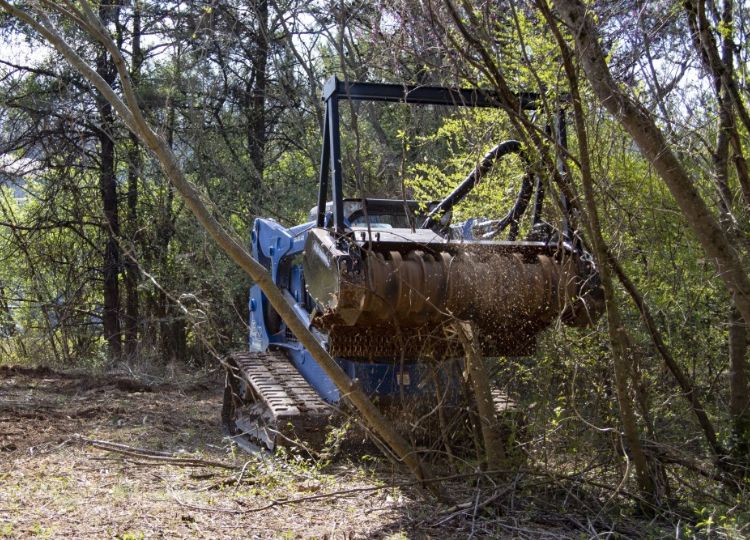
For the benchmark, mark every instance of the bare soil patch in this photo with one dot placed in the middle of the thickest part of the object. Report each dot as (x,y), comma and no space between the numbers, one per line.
(54,485)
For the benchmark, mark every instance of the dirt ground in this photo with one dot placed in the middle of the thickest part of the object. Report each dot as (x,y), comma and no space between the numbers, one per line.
(54,483)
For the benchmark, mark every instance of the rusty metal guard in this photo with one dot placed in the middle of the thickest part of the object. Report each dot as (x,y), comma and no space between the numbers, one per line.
(381,291)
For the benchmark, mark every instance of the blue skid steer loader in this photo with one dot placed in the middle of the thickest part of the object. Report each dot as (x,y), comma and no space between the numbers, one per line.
(377,281)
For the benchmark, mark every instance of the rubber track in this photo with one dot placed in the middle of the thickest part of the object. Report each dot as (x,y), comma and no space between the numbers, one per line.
(279,385)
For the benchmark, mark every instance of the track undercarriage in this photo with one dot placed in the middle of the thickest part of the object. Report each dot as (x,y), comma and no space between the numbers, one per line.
(267,403)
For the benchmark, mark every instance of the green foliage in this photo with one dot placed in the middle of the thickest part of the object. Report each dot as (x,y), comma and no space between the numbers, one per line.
(131,535)
(444,158)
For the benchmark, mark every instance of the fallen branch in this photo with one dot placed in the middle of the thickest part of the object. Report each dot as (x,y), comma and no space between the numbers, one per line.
(460,508)
(343,493)
(153,455)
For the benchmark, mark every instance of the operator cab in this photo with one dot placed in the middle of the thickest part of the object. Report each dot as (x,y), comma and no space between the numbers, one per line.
(380,213)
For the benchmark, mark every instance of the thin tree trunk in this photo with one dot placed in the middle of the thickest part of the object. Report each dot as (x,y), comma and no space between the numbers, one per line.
(7,324)
(132,305)
(111,263)
(494,445)
(639,123)
(739,389)
(256,134)
(621,351)
(721,69)
(171,332)
(739,400)
(108,193)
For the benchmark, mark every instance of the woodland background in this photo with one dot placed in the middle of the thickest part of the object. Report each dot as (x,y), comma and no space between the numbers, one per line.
(102,266)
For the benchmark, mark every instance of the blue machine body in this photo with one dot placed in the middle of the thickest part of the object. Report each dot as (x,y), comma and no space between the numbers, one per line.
(280,250)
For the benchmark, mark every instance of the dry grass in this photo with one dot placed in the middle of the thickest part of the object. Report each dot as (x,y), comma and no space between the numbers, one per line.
(52,485)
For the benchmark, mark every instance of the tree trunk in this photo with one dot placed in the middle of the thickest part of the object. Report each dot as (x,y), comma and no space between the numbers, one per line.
(721,69)
(108,193)
(739,400)
(173,335)
(494,445)
(169,331)
(7,323)
(621,350)
(256,114)
(739,391)
(132,306)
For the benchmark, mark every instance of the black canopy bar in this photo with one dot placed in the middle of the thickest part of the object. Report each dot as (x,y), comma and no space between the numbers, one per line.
(335,90)
(422,95)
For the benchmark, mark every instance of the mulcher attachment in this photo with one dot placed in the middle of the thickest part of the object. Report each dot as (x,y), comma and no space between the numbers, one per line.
(267,403)
(398,282)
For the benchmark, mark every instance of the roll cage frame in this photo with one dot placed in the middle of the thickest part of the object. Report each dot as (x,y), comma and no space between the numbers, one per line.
(335,90)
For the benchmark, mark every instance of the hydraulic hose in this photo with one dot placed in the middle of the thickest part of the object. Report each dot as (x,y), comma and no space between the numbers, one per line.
(463,189)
